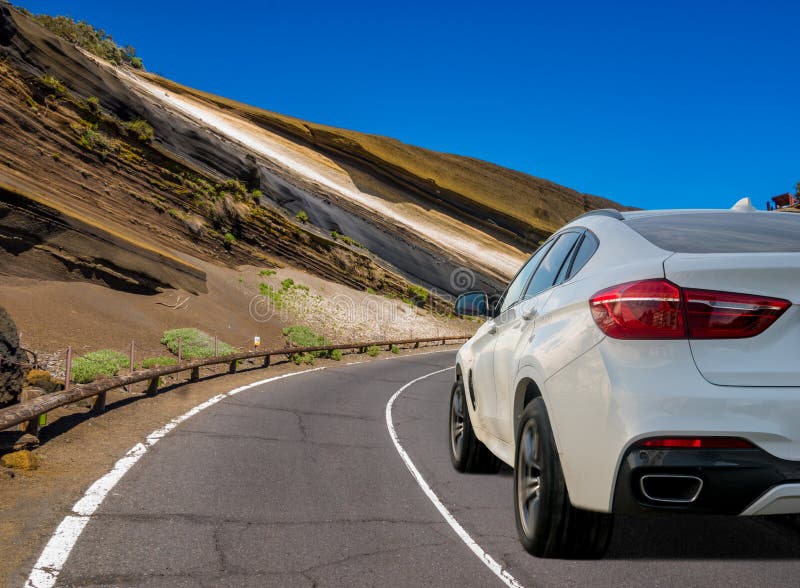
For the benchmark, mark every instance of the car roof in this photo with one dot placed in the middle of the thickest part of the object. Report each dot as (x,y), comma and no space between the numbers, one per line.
(632,214)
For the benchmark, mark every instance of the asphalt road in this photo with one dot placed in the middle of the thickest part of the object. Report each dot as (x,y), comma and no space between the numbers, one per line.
(298,483)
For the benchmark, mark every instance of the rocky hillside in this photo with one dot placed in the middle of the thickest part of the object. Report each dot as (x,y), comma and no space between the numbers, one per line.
(122,191)
(222,180)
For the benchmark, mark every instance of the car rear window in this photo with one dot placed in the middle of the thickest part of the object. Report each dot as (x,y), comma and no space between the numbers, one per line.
(721,232)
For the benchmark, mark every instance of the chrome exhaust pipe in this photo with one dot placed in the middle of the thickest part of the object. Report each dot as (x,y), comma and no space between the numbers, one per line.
(670,488)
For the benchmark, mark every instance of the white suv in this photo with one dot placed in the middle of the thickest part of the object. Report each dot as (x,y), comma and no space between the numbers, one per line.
(638,362)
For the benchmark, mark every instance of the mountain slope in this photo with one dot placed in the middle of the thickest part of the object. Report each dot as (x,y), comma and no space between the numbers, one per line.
(137,184)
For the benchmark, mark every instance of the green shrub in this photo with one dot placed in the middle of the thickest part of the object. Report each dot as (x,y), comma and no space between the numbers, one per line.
(351,242)
(395,349)
(91,139)
(303,336)
(54,84)
(98,364)
(336,355)
(141,129)
(194,343)
(160,361)
(371,290)
(373,350)
(93,104)
(335,235)
(95,41)
(287,283)
(266,272)
(418,294)
(302,216)
(229,240)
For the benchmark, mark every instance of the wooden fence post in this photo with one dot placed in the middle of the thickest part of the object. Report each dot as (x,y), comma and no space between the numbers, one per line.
(266,361)
(99,405)
(195,377)
(180,350)
(216,346)
(152,388)
(132,355)
(68,374)
(232,367)
(32,427)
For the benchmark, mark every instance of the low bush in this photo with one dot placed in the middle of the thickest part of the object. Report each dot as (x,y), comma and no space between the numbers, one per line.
(141,129)
(336,355)
(351,242)
(42,379)
(395,349)
(302,216)
(373,350)
(418,294)
(96,41)
(93,104)
(266,272)
(104,363)
(92,139)
(302,336)
(160,361)
(194,343)
(54,84)
(229,240)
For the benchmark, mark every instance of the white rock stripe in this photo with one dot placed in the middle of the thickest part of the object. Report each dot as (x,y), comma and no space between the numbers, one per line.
(487,559)
(55,554)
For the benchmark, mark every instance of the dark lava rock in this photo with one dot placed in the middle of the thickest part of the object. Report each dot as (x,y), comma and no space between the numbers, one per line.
(12,357)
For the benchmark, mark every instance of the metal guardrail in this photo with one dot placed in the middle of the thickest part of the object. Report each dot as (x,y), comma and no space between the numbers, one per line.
(30,410)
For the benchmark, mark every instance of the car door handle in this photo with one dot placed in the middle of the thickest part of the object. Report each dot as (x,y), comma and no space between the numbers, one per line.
(529,314)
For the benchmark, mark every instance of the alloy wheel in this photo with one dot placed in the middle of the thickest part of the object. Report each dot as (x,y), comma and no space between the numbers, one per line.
(457,422)
(528,474)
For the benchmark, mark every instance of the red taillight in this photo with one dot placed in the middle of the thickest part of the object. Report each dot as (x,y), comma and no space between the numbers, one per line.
(658,309)
(724,315)
(697,443)
(650,309)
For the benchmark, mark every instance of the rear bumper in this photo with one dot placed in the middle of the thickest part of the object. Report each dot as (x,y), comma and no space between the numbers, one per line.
(731,481)
(620,392)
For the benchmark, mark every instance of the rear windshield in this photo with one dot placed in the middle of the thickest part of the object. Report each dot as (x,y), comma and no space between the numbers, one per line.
(721,232)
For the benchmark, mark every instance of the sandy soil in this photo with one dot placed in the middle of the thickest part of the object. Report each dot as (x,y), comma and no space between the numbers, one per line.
(77,449)
(52,315)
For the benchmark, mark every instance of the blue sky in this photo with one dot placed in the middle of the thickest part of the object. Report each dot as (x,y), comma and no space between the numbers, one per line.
(653,104)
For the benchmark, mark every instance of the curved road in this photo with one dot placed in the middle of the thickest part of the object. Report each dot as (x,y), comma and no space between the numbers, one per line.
(298,483)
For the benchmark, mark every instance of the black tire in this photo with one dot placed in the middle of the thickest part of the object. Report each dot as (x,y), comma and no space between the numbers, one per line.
(547,523)
(467,453)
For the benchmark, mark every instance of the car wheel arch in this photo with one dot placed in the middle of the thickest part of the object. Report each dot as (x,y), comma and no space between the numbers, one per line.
(526,391)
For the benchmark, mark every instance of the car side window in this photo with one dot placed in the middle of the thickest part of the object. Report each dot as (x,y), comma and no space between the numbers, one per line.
(551,264)
(517,285)
(562,273)
(585,251)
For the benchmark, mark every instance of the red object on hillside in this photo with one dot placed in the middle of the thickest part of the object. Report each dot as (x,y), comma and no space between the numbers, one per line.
(782,200)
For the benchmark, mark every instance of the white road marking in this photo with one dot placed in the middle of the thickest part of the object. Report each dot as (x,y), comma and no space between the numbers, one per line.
(487,559)
(51,561)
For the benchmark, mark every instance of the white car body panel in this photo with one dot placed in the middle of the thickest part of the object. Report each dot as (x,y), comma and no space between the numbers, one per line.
(770,359)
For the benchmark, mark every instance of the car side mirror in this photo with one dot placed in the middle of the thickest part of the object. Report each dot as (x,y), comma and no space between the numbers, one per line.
(472,304)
